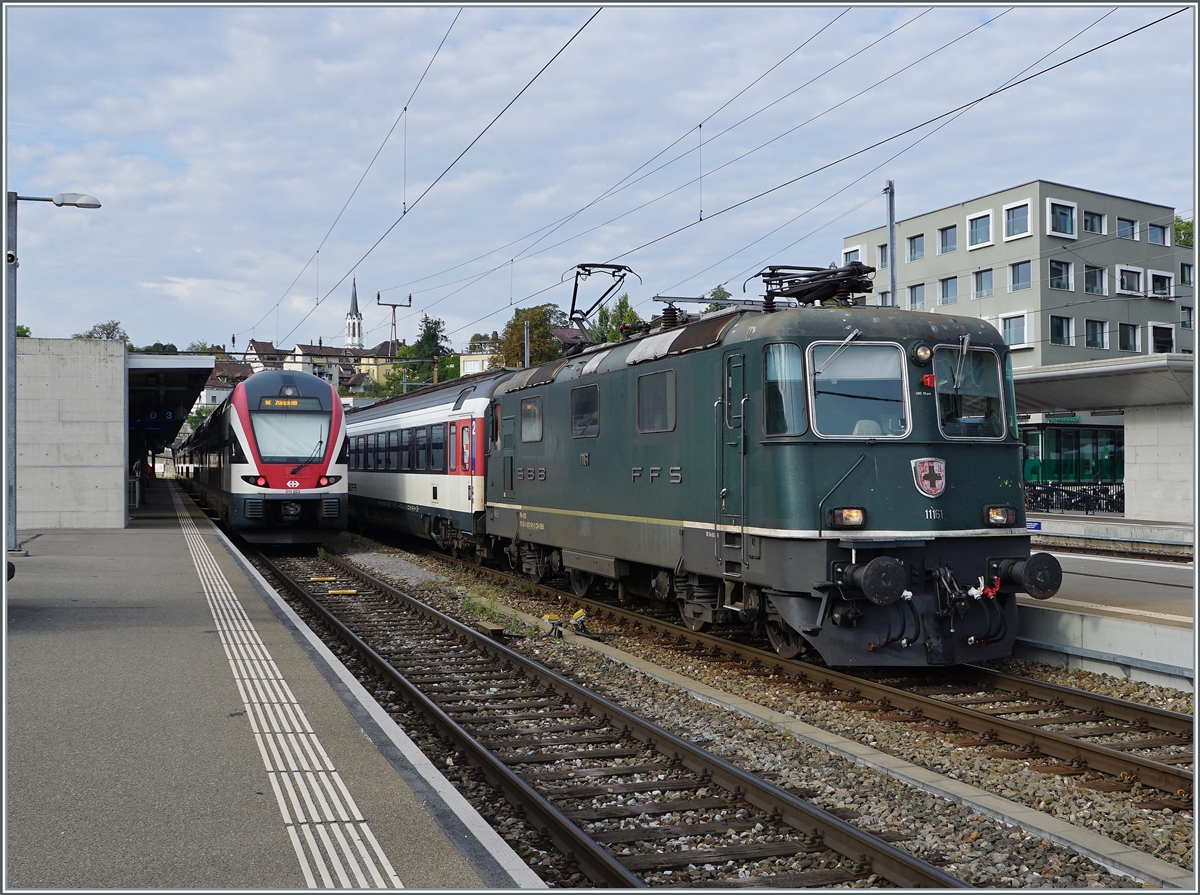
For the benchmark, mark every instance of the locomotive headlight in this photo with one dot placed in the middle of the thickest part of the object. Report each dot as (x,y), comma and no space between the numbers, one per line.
(1001,516)
(849,517)
(921,354)
(256,480)
(325,480)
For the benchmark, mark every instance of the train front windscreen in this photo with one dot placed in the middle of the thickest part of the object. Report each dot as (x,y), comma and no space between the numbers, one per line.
(290,429)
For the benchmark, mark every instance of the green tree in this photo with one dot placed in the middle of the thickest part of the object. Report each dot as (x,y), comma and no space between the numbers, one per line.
(23,331)
(199,416)
(1183,232)
(109,330)
(433,341)
(478,340)
(542,344)
(199,346)
(717,298)
(157,348)
(607,327)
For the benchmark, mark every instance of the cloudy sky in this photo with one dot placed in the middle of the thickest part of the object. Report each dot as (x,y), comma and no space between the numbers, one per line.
(224,143)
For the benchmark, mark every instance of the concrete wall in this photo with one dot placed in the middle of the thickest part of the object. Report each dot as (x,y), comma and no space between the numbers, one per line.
(1159,480)
(71,432)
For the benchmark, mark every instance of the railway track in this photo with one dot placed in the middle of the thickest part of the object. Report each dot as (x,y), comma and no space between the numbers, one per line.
(630,802)
(1068,731)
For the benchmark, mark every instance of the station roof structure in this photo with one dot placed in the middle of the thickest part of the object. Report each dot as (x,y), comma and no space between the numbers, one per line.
(1159,379)
(162,388)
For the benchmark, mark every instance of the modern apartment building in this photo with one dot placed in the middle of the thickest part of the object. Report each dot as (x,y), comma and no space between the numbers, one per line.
(1066,274)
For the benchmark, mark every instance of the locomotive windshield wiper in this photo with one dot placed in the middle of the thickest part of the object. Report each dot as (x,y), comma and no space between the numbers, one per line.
(313,456)
(845,344)
(963,341)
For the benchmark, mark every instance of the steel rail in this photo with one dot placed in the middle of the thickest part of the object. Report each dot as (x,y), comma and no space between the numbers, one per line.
(1167,778)
(890,862)
(600,867)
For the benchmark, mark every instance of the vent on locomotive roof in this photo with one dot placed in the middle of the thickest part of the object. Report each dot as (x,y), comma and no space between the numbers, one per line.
(288,386)
(703,334)
(545,373)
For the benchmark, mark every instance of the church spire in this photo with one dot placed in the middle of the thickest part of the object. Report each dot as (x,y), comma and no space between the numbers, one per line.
(354,333)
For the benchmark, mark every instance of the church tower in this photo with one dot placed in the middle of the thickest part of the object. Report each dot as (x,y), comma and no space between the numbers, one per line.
(354,331)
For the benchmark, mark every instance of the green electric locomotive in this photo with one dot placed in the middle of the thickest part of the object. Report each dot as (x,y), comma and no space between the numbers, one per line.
(846,477)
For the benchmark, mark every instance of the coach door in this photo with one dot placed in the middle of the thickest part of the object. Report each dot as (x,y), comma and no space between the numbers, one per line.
(732,431)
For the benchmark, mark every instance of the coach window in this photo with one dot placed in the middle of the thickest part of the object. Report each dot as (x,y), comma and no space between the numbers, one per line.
(531,418)
(656,402)
(496,427)
(421,461)
(969,398)
(585,411)
(465,432)
(406,444)
(370,452)
(394,450)
(381,448)
(453,453)
(437,442)
(858,390)
(784,413)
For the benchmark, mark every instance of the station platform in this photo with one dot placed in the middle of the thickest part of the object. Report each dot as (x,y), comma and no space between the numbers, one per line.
(172,724)
(1125,617)
(1106,532)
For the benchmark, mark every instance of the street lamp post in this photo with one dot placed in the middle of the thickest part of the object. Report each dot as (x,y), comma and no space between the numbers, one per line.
(77,200)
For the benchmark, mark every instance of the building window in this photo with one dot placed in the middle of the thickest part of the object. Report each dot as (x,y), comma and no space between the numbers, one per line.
(1016,221)
(948,239)
(1019,276)
(916,296)
(916,247)
(1093,280)
(850,256)
(885,300)
(948,291)
(1185,317)
(1014,330)
(883,257)
(1156,234)
(1185,275)
(1061,219)
(1095,333)
(1126,229)
(1129,337)
(1093,222)
(1162,338)
(1131,279)
(982,286)
(1061,330)
(979,230)
(1160,284)
(1060,275)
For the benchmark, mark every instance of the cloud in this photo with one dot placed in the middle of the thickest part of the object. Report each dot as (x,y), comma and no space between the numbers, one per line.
(223,143)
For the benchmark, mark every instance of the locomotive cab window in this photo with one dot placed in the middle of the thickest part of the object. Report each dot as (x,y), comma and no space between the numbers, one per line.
(656,402)
(531,418)
(290,436)
(784,412)
(585,411)
(858,390)
(969,396)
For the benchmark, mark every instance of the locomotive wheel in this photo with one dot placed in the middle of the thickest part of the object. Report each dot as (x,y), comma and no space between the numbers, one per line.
(784,639)
(581,582)
(698,625)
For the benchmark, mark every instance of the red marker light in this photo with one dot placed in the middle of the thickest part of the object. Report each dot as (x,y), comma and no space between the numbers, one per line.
(928,380)
(261,482)
(323,481)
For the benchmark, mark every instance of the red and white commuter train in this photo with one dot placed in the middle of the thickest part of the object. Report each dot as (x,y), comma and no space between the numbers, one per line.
(271,461)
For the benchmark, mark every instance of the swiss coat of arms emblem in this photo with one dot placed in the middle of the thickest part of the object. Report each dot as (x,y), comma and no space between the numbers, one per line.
(929,475)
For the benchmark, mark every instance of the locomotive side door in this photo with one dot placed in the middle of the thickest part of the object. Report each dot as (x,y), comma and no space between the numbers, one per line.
(732,459)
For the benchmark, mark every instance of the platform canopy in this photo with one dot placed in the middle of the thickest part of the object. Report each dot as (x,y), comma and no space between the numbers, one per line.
(1159,379)
(162,389)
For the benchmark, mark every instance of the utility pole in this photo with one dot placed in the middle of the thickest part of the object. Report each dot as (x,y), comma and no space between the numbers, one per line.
(526,344)
(890,190)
